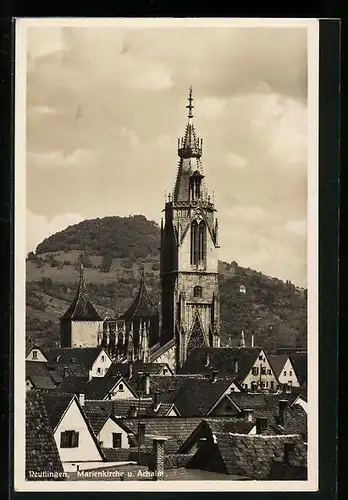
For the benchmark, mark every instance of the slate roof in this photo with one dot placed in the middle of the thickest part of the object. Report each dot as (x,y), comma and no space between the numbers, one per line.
(81,308)
(197,396)
(142,306)
(299,362)
(277,362)
(41,453)
(176,429)
(221,359)
(56,405)
(84,356)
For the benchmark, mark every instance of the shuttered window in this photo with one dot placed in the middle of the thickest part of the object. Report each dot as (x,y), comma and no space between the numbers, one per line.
(69,439)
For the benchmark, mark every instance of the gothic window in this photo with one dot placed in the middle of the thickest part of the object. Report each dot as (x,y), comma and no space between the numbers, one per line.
(197,291)
(196,337)
(198,242)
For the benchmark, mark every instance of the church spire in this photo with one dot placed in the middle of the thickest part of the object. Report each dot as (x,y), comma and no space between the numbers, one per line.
(190,105)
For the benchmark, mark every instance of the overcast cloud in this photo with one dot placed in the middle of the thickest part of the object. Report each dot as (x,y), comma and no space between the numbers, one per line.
(105,107)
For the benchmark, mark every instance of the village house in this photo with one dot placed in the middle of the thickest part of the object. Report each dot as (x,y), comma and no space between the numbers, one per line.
(284,370)
(248,365)
(41,376)
(73,434)
(33,352)
(109,388)
(80,361)
(299,363)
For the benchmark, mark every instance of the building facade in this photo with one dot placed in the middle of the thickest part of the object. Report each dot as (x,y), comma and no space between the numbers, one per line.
(190,309)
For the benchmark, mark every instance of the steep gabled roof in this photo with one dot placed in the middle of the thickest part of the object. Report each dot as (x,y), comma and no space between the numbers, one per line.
(197,396)
(81,308)
(41,371)
(155,353)
(84,356)
(277,362)
(42,382)
(222,359)
(299,363)
(41,452)
(56,405)
(142,306)
(99,387)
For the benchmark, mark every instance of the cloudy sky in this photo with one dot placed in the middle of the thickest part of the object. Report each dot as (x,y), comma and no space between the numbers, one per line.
(105,107)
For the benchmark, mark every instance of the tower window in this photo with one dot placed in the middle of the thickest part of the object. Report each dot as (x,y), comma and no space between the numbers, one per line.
(198,242)
(197,291)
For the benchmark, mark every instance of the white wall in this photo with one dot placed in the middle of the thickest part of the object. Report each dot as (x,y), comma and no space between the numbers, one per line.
(302,403)
(167,357)
(102,362)
(39,356)
(116,393)
(85,333)
(105,435)
(268,378)
(288,375)
(87,449)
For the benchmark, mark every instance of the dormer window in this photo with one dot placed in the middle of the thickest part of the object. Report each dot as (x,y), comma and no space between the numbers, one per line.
(197,291)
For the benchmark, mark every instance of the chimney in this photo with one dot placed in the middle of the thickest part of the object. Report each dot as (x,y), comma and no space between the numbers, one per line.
(82,399)
(248,414)
(252,340)
(147,383)
(156,402)
(261,424)
(133,411)
(283,405)
(236,366)
(289,449)
(207,361)
(130,369)
(141,434)
(214,376)
(158,457)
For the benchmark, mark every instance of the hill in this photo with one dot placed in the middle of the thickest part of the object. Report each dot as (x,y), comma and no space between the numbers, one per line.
(115,248)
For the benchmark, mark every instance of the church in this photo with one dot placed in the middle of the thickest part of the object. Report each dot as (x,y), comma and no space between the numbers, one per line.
(189,314)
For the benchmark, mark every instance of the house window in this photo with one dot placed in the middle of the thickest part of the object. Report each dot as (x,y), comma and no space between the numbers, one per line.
(263,370)
(34,354)
(255,370)
(98,370)
(69,439)
(103,358)
(272,384)
(164,371)
(266,383)
(260,358)
(116,440)
(245,386)
(284,373)
(121,388)
(290,373)
(290,383)
(197,291)
(269,372)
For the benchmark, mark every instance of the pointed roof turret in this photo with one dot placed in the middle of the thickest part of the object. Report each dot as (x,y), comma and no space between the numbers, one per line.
(81,308)
(142,306)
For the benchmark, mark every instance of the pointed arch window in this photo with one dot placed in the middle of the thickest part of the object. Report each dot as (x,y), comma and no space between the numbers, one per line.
(198,242)
(194,242)
(197,291)
(202,242)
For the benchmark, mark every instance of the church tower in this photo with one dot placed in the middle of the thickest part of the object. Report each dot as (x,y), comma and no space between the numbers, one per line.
(190,309)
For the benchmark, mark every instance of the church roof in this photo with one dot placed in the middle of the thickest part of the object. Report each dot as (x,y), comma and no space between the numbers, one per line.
(81,308)
(142,306)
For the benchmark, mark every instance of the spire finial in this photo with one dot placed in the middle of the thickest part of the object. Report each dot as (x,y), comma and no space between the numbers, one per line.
(190,105)
(81,266)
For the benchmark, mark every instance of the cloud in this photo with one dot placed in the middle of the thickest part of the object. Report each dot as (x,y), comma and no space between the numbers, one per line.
(39,228)
(56,159)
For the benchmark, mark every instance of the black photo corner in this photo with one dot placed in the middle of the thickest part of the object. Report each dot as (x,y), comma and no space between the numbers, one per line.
(332,263)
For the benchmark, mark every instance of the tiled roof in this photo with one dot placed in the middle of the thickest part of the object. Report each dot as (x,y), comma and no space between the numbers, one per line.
(43,371)
(56,405)
(120,408)
(99,387)
(81,308)
(277,362)
(156,353)
(197,396)
(142,306)
(299,362)
(84,356)
(73,384)
(176,429)
(209,426)
(247,455)
(41,450)
(42,382)
(137,366)
(222,359)
(96,416)
(169,386)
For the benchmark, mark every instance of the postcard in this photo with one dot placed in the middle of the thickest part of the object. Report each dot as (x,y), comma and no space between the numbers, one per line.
(166,309)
